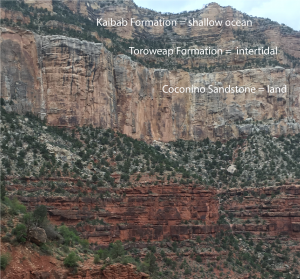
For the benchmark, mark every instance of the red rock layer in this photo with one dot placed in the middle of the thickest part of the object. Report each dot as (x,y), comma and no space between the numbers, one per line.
(277,210)
(142,213)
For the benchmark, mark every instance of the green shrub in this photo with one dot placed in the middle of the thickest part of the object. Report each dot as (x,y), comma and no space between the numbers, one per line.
(117,250)
(103,253)
(198,259)
(78,164)
(119,157)
(152,248)
(40,215)
(3,209)
(263,196)
(96,259)
(3,190)
(70,236)
(15,206)
(45,249)
(94,178)
(187,271)
(100,183)
(5,259)
(71,260)
(65,249)
(5,239)
(3,228)
(150,263)
(20,231)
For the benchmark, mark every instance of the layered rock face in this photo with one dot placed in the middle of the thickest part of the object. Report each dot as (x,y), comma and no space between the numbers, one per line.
(276,215)
(176,212)
(260,28)
(259,32)
(74,82)
(142,213)
(34,265)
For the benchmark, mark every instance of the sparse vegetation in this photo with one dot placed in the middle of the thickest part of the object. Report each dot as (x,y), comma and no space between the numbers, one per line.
(5,259)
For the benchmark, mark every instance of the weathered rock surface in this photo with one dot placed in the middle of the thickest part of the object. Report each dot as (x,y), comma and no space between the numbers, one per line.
(28,263)
(38,236)
(141,213)
(44,4)
(261,32)
(75,82)
(271,210)
(123,272)
(261,28)
(15,16)
(177,212)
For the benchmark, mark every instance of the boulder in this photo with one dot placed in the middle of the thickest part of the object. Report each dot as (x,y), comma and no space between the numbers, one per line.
(231,169)
(38,236)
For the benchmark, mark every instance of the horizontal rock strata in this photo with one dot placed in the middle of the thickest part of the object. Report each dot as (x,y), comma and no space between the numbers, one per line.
(73,82)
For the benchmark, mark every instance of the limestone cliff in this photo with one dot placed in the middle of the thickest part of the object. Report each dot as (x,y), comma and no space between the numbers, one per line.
(261,32)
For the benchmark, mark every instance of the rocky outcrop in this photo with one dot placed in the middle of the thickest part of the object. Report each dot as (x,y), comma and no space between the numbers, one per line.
(38,236)
(141,213)
(15,16)
(40,4)
(176,212)
(75,82)
(21,82)
(28,263)
(271,210)
(123,272)
(262,30)
(56,24)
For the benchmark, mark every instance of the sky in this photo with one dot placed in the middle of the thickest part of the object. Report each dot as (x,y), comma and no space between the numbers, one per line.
(282,11)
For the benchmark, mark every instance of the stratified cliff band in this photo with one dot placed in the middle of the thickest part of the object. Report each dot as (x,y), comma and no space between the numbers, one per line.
(75,82)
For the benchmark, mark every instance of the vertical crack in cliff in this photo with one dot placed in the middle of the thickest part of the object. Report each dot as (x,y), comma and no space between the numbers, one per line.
(115,96)
(39,48)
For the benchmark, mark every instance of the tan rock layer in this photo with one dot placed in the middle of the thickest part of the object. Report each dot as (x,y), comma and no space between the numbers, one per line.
(260,30)
(15,16)
(40,4)
(75,82)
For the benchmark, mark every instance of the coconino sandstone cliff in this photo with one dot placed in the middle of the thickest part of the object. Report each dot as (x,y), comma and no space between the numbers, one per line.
(74,82)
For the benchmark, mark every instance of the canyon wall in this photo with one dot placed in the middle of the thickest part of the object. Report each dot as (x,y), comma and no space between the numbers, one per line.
(262,31)
(259,32)
(172,211)
(271,210)
(222,36)
(141,213)
(74,82)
